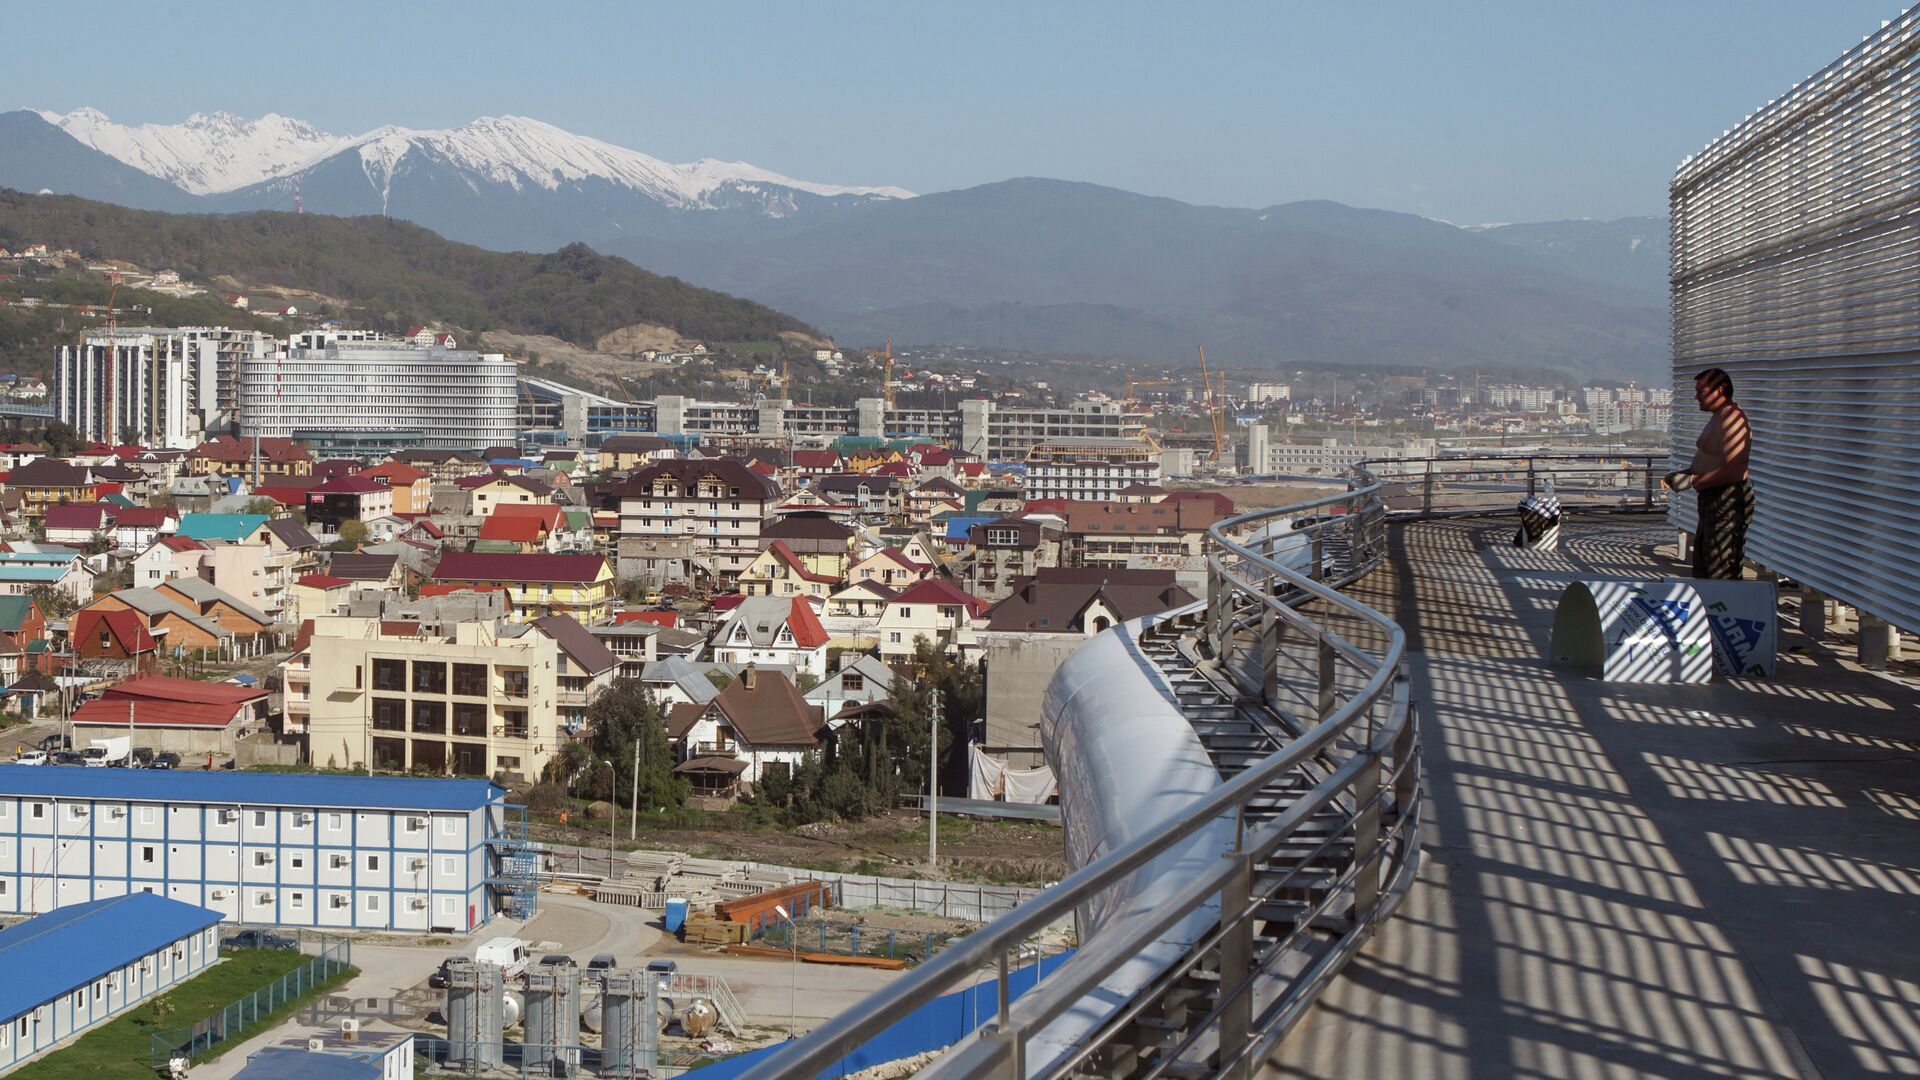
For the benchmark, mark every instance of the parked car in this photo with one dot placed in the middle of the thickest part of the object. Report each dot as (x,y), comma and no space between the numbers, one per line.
(31,757)
(67,757)
(142,757)
(560,959)
(601,964)
(438,980)
(165,759)
(662,971)
(56,741)
(258,939)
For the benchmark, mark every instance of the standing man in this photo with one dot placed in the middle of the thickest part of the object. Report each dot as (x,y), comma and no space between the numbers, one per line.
(1718,476)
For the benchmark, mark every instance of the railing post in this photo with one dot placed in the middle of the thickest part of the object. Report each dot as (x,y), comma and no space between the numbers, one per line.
(1426,502)
(1530,478)
(1366,842)
(1329,674)
(1236,966)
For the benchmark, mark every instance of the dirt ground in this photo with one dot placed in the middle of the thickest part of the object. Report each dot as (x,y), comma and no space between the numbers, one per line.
(895,844)
(1261,496)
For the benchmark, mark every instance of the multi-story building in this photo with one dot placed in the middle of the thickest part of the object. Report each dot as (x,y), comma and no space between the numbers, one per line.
(1090,469)
(721,504)
(471,702)
(163,386)
(352,398)
(1006,550)
(1261,393)
(536,584)
(1323,457)
(368,853)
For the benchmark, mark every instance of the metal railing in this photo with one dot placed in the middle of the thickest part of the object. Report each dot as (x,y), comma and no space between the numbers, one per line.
(1325,671)
(1355,746)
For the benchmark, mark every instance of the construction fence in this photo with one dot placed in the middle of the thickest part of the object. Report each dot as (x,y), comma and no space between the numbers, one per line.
(333,956)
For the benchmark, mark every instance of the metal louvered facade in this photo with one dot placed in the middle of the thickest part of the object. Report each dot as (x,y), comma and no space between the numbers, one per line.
(1796,267)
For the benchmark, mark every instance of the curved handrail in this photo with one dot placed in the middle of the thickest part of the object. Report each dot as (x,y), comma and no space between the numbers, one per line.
(1354,739)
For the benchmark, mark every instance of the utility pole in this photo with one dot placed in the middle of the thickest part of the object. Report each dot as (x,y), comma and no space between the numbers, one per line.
(633,818)
(613,810)
(933,781)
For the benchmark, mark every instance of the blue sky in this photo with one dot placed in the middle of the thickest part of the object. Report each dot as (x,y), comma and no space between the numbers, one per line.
(1469,111)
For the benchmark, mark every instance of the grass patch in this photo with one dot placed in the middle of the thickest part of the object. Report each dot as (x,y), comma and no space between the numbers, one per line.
(121,1049)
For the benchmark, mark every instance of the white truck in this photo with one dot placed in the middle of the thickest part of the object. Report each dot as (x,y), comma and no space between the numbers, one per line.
(508,954)
(109,751)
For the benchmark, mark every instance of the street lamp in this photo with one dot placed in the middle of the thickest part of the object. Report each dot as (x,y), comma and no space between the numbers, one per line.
(613,789)
(793,987)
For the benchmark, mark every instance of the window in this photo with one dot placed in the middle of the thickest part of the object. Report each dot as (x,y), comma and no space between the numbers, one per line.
(507,763)
(297,901)
(894,637)
(389,714)
(517,681)
(335,821)
(79,998)
(99,989)
(430,717)
(373,862)
(470,680)
(146,815)
(389,674)
(146,854)
(39,810)
(449,865)
(449,826)
(429,677)
(297,861)
(259,819)
(336,861)
(75,811)
(373,901)
(516,724)
(263,858)
(263,899)
(852,682)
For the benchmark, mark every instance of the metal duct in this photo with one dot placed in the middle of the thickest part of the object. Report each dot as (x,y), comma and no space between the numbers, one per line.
(1796,260)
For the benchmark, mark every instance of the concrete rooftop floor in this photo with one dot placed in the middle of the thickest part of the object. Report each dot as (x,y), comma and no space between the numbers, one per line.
(1631,880)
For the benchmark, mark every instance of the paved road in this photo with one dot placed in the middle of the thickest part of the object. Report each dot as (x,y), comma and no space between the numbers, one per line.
(28,736)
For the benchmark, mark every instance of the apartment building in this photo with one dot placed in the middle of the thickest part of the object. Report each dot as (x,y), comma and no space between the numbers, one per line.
(1323,457)
(346,852)
(163,386)
(1090,469)
(721,504)
(469,702)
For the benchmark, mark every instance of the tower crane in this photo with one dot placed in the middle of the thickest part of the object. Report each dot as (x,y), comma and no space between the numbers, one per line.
(1214,406)
(886,387)
(1133,383)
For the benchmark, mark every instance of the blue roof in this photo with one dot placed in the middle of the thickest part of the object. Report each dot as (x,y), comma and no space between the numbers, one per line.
(69,947)
(220,526)
(959,524)
(286,1063)
(10,572)
(252,789)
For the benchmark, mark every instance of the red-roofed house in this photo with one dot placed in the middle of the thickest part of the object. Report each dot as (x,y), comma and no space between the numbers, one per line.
(777,571)
(412,488)
(114,635)
(348,498)
(932,609)
(230,455)
(79,524)
(134,527)
(186,716)
(512,532)
(890,567)
(537,585)
(320,594)
(816,462)
(775,630)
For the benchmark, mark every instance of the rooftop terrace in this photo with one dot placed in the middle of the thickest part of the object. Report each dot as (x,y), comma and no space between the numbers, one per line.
(1630,879)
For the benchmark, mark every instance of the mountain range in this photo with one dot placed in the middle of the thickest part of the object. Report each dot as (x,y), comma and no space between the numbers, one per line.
(1028,263)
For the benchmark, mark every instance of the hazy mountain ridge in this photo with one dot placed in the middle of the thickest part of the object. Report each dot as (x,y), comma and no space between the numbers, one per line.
(1028,263)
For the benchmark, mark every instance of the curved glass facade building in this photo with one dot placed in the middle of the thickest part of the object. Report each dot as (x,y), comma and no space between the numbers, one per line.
(353,396)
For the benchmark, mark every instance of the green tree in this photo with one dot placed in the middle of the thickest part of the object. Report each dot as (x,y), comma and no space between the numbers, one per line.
(60,439)
(623,720)
(54,602)
(961,694)
(264,505)
(353,532)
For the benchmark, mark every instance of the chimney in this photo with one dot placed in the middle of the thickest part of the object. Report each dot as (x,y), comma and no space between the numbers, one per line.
(747,677)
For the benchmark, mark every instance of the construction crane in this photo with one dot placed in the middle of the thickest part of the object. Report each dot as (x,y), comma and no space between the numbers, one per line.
(113,348)
(886,387)
(1133,383)
(1214,407)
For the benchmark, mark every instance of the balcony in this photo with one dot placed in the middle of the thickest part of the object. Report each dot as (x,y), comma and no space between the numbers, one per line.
(1621,879)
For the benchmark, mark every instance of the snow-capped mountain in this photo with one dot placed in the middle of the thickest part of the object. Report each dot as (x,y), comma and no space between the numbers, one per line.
(216,153)
(206,153)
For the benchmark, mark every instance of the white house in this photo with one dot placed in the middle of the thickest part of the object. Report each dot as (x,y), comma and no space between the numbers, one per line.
(931,609)
(759,719)
(777,630)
